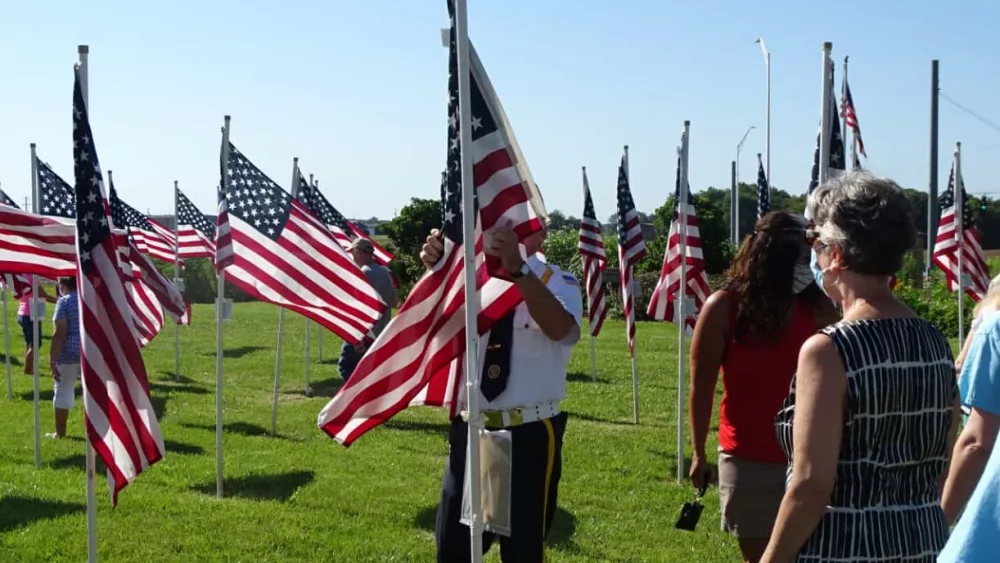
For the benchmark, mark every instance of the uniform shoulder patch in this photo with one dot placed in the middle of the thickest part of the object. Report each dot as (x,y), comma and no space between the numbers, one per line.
(570,278)
(546,274)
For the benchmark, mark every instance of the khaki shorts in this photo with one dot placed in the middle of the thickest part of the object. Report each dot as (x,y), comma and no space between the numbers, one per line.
(750,493)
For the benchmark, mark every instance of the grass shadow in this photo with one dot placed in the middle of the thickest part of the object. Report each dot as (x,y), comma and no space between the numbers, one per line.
(78,462)
(17,511)
(182,448)
(276,486)
(181,385)
(14,361)
(43,393)
(438,428)
(159,403)
(235,353)
(580,377)
(560,535)
(242,428)
(621,422)
(326,387)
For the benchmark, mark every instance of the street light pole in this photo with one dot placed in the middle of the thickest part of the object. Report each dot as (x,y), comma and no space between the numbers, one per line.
(767,126)
(739,147)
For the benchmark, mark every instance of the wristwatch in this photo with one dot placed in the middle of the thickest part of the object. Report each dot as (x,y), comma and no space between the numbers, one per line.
(521,272)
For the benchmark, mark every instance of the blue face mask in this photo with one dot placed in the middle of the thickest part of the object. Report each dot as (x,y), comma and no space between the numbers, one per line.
(817,271)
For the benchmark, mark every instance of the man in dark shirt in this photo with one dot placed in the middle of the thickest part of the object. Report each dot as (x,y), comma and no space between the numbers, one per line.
(380,278)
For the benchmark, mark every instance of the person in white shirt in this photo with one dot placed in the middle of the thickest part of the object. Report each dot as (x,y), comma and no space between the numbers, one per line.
(523,369)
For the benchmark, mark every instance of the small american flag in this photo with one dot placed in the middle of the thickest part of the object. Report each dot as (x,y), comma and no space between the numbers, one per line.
(631,249)
(662,305)
(416,360)
(763,191)
(195,233)
(949,242)
(836,144)
(273,248)
(121,422)
(850,116)
(594,261)
(343,230)
(149,236)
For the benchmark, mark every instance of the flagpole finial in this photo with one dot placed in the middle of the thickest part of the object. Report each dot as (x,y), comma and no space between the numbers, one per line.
(33,146)
(82,49)
(687,123)
(828,45)
(584,168)
(109,175)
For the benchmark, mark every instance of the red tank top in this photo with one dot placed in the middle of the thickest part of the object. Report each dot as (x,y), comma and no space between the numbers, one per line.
(755,380)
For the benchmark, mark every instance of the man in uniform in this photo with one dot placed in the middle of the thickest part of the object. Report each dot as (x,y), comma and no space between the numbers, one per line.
(523,379)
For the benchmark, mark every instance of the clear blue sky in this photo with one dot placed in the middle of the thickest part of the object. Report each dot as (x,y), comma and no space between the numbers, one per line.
(356,90)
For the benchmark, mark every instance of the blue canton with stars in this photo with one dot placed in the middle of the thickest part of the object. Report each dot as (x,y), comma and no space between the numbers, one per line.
(625,204)
(315,201)
(254,198)
(124,215)
(947,200)
(188,214)
(763,192)
(837,151)
(92,224)
(57,197)
(5,200)
(677,191)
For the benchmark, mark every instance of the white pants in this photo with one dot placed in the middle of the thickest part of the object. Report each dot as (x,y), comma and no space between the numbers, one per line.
(64,390)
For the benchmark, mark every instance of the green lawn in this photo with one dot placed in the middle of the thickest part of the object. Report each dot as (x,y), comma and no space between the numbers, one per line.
(302,497)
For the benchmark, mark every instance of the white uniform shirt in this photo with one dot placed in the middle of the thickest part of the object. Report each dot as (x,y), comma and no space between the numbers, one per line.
(537,364)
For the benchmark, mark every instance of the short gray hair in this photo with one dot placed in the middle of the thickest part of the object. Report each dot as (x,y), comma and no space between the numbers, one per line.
(868,217)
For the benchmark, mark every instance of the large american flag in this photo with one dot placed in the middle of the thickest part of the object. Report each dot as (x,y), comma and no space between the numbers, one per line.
(150,237)
(343,230)
(19,283)
(850,116)
(121,422)
(949,242)
(35,244)
(416,360)
(663,304)
(763,191)
(273,248)
(631,249)
(594,260)
(195,233)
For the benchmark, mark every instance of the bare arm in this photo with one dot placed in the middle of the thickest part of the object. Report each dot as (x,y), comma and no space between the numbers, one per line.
(707,349)
(818,426)
(965,350)
(956,419)
(972,451)
(58,340)
(42,294)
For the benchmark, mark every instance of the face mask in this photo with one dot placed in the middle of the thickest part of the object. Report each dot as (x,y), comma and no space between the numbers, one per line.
(817,272)
(803,277)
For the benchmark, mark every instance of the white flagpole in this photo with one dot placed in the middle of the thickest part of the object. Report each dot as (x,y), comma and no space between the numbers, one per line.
(35,208)
(472,298)
(179,283)
(6,337)
(308,352)
(319,330)
(960,237)
(631,320)
(84,51)
(827,115)
(681,304)
(593,341)
(221,315)
(281,326)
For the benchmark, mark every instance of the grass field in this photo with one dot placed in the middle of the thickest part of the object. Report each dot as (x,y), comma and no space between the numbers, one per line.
(302,497)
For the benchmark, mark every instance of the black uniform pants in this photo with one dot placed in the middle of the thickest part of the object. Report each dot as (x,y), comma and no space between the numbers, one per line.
(537,467)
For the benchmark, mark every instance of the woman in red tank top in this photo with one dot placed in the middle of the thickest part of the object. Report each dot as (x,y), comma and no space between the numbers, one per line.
(752,329)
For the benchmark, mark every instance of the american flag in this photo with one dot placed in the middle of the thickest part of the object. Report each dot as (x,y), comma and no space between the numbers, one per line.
(121,422)
(57,197)
(343,230)
(158,292)
(763,191)
(34,244)
(631,249)
(416,360)
(273,248)
(836,145)
(5,199)
(662,305)
(947,245)
(850,116)
(150,236)
(594,261)
(195,233)
(19,284)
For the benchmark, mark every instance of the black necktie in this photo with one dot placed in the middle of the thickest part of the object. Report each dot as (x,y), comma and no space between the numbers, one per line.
(496,367)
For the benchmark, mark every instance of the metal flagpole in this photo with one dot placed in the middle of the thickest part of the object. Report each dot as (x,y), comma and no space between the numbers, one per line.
(682,298)
(221,315)
(179,283)
(308,354)
(6,336)
(960,237)
(281,326)
(767,134)
(472,298)
(827,115)
(35,208)
(84,51)
(843,118)
(593,341)
(319,329)
(631,321)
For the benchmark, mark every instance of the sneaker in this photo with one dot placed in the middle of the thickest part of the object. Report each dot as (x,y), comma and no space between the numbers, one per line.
(52,435)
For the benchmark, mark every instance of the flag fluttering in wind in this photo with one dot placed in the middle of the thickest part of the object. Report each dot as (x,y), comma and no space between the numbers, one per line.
(836,145)
(850,116)
(34,244)
(150,237)
(195,233)
(121,423)
(343,230)
(950,241)
(273,248)
(594,260)
(663,303)
(416,360)
(19,283)
(631,249)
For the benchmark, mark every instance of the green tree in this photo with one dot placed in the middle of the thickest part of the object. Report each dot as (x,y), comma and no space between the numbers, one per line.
(407,233)
(713,228)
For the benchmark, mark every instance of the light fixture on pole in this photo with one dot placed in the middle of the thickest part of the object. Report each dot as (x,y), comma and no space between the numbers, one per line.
(739,147)
(767,126)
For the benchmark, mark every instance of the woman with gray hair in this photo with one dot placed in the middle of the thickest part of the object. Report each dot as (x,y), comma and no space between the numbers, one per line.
(873,409)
